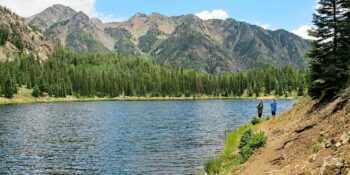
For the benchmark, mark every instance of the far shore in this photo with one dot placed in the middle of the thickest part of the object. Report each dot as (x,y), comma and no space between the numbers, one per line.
(24,96)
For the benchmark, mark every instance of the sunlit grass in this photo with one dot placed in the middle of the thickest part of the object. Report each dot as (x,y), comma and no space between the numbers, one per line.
(229,160)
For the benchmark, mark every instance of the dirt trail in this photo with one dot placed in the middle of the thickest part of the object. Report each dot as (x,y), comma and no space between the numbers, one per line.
(296,140)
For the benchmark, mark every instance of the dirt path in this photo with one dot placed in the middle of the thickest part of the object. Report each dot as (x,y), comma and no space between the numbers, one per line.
(293,146)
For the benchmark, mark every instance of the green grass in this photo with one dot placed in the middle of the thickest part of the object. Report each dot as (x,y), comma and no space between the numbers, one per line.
(229,160)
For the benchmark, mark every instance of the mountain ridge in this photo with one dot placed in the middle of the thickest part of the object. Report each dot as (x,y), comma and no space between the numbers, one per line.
(221,46)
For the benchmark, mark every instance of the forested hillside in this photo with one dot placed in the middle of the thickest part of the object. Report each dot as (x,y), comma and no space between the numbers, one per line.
(110,75)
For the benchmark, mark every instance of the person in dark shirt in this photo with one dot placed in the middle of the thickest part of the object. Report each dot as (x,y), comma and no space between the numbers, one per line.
(260,108)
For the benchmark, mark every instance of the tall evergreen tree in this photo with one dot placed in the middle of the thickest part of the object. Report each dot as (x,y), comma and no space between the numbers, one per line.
(328,70)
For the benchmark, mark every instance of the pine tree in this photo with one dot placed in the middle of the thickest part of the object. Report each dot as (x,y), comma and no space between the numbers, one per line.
(4,33)
(9,87)
(36,91)
(327,69)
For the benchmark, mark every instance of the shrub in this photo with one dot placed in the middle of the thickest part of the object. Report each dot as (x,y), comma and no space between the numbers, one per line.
(36,91)
(258,140)
(212,166)
(4,33)
(255,120)
(245,138)
(246,152)
(268,117)
(250,142)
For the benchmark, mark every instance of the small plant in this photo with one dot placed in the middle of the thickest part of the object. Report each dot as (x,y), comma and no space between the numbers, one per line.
(320,139)
(255,120)
(316,148)
(212,166)
(268,117)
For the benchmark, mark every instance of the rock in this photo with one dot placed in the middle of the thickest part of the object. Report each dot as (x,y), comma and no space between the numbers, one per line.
(312,157)
(338,144)
(332,166)
(344,138)
(328,143)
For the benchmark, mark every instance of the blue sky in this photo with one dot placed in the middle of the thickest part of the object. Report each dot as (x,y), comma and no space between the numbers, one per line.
(292,15)
(286,14)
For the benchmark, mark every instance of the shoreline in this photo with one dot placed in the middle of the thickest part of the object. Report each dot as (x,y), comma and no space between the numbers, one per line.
(24,97)
(6,101)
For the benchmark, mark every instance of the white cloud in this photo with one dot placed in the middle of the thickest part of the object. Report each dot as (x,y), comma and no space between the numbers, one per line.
(214,14)
(303,31)
(28,8)
(263,25)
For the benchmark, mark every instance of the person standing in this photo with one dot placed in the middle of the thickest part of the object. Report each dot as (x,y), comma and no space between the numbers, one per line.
(273,108)
(260,108)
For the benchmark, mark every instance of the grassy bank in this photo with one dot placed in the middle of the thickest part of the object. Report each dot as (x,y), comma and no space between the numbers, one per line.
(229,159)
(24,95)
(239,146)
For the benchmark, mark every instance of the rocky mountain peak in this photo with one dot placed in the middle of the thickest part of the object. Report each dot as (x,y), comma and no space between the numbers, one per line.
(80,16)
(51,15)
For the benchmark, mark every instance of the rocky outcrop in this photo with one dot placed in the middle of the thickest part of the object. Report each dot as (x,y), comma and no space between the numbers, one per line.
(22,38)
(333,166)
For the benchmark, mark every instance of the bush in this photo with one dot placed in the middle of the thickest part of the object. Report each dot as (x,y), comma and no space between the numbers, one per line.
(246,152)
(255,120)
(36,91)
(268,117)
(4,33)
(258,140)
(212,166)
(245,138)
(250,142)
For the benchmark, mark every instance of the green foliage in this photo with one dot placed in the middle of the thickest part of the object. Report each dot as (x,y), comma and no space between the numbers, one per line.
(4,34)
(330,53)
(255,120)
(36,91)
(300,91)
(111,75)
(8,85)
(268,117)
(17,41)
(250,142)
(316,148)
(320,139)
(212,166)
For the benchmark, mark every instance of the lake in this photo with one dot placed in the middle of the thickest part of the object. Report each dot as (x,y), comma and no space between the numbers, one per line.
(119,137)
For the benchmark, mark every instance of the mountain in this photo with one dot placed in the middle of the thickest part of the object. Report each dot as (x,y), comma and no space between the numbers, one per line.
(50,16)
(16,37)
(80,34)
(212,46)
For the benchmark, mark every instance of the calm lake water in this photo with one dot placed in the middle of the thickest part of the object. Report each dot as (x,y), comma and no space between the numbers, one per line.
(119,137)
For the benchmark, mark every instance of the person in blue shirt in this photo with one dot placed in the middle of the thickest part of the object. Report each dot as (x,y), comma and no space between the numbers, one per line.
(273,108)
